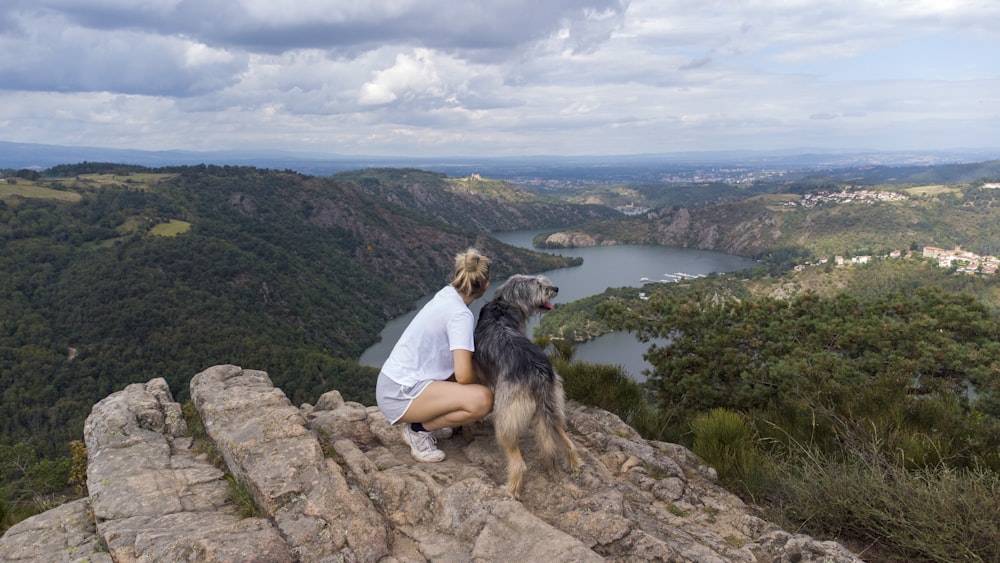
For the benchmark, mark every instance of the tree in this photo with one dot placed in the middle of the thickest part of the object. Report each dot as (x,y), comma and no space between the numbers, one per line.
(889,360)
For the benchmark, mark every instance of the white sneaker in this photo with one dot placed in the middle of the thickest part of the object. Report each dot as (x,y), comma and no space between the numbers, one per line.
(443,433)
(423,445)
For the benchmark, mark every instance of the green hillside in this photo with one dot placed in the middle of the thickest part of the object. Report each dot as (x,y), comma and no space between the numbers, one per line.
(287,273)
(767,226)
(472,202)
(837,399)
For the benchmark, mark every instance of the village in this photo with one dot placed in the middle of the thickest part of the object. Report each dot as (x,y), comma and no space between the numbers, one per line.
(962,260)
(846,196)
(966,262)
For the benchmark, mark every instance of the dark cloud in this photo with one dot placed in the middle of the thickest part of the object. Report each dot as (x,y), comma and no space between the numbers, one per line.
(45,54)
(145,47)
(275,27)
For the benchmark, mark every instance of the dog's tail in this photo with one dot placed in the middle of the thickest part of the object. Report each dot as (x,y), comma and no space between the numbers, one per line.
(552,407)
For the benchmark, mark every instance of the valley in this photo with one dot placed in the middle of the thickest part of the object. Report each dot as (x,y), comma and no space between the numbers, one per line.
(112,273)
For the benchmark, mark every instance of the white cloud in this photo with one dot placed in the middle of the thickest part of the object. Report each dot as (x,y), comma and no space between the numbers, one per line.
(411,76)
(500,76)
(199,55)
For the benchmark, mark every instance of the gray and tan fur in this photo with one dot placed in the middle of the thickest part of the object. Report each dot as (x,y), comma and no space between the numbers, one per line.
(527,391)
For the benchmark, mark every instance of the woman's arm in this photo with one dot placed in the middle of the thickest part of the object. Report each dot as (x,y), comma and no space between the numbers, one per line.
(465,372)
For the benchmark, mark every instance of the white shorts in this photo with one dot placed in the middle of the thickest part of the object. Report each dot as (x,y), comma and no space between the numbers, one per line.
(393,399)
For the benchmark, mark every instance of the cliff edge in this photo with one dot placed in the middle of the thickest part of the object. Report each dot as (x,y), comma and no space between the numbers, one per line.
(334,482)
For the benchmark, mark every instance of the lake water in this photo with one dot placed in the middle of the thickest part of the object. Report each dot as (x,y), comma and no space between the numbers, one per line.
(603,267)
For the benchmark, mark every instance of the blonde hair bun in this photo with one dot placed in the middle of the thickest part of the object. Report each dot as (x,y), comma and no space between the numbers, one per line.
(472,273)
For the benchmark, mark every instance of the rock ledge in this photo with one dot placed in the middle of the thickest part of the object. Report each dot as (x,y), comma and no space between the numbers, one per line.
(334,482)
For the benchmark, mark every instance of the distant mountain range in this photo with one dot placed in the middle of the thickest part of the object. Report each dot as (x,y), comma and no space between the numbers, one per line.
(642,167)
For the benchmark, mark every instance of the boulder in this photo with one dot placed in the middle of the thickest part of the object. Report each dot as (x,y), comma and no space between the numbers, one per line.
(64,534)
(155,499)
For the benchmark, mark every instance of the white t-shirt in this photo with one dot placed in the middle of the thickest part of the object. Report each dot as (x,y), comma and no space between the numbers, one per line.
(424,351)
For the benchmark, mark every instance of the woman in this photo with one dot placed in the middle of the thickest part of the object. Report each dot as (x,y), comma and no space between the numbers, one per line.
(428,381)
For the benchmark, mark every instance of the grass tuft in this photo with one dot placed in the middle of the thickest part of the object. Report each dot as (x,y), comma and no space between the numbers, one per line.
(242,497)
(725,440)
(200,440)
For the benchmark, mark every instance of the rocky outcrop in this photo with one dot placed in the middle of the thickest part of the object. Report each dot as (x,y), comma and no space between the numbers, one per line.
(334,482)
(569,239)
(267,446)
(743,229)
(65,533)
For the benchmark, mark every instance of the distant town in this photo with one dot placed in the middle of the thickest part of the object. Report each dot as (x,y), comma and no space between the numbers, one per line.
(847,196)
(966,262)
(962,260)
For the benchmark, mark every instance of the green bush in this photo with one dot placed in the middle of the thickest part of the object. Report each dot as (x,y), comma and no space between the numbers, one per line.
(724,440)
(608,387)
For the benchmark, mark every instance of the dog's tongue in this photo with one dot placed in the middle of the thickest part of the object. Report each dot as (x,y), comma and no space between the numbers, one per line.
(548,305)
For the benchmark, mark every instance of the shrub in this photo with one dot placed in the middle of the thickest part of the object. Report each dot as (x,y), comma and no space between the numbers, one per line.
(608,387)
(724,440)
(937,514)
(78,467)
(6,516)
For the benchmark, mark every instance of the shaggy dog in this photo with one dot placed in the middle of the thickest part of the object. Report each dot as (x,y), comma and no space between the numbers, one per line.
(526,388)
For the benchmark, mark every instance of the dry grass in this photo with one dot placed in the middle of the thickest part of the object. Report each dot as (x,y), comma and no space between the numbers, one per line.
(171,228)
(94,181)
(26,189)
(932,190)
(935,514)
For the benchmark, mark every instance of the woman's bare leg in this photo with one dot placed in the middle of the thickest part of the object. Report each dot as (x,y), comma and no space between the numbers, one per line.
(447,403)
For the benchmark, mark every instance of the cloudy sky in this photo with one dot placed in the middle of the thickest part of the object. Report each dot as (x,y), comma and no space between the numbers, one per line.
(501,77)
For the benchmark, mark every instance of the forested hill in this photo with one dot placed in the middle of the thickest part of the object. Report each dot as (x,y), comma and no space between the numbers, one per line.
(114,274)
(472,202)
(822,222)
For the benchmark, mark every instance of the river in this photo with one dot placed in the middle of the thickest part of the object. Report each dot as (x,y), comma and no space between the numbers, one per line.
(603,267)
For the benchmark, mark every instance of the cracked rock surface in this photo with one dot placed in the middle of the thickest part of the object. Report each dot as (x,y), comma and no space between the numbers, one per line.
(335,482)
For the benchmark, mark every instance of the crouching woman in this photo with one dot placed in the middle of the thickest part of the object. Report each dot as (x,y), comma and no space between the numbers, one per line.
(428,382)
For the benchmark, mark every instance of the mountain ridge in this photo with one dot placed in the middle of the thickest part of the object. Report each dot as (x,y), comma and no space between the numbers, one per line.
(41,156)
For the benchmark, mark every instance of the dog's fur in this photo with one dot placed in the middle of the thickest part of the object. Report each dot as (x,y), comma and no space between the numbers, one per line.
(526,388)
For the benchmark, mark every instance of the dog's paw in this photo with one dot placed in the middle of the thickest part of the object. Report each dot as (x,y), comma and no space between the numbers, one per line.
(573,461)
(513,490)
